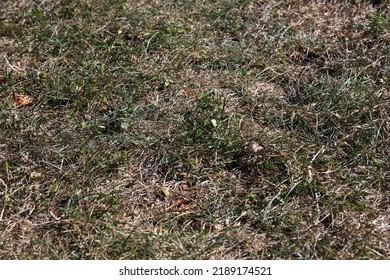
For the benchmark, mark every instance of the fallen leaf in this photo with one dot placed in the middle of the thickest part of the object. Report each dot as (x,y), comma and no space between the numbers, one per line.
(166,192)
(185,187)
(22,100)
(182,204)
(255,149)
(35,175)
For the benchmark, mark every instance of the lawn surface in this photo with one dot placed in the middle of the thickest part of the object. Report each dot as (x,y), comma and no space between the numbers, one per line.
(125,127)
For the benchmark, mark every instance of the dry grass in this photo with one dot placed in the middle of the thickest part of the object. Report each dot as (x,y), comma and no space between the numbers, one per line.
(134,145)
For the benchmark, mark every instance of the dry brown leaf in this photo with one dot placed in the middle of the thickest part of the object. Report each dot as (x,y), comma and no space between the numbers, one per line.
(182,204)
(184,187)
(36,175)
(22,100)
(254,148)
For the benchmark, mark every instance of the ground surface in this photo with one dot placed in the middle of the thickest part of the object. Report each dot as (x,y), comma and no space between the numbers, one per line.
(123,126)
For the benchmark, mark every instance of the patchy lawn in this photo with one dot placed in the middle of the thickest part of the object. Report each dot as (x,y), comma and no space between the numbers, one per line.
(193,129)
